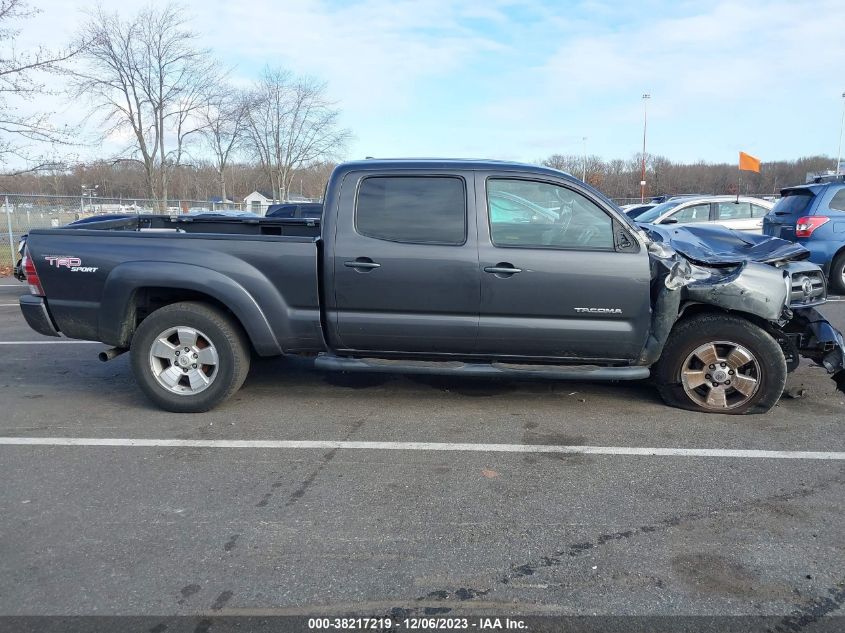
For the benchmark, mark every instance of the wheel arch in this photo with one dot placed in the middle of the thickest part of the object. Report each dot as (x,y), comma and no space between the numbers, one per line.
(690,309)
(134,290)
(839,253)
(790,352)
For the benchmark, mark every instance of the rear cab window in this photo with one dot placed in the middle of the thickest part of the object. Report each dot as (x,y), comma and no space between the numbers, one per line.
(412,209)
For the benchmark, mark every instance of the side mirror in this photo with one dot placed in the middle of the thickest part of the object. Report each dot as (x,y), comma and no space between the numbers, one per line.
(669,221)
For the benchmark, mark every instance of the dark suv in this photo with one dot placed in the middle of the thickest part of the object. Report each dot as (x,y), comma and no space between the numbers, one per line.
(814,215)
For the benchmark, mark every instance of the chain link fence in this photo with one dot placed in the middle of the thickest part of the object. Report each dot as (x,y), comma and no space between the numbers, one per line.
(21,213)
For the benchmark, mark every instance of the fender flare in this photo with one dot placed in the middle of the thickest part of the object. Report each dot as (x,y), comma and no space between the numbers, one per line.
(115,326)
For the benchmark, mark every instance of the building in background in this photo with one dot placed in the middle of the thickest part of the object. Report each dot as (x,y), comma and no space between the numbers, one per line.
(257,202)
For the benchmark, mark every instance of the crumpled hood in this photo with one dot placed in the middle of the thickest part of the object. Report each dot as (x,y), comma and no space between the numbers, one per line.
(720,246)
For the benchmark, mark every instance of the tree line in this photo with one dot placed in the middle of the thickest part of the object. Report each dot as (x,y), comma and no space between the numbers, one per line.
(198,181)
(620,179)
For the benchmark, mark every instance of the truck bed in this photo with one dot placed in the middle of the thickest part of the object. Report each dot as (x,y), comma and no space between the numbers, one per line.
(265,270)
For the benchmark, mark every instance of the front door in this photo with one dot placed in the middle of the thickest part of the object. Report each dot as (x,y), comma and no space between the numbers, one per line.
(554,282)
(405,264)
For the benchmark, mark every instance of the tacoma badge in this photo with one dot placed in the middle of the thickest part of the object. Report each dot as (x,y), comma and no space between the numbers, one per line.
(600,310)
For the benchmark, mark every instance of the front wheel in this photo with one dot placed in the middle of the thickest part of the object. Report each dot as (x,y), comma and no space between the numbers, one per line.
(718,363)
(189,357)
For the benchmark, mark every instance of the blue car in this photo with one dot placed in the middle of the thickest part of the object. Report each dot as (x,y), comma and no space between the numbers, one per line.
(814,216)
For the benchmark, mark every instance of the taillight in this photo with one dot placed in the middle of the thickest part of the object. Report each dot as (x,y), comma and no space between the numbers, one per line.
(32,275)
(805,226)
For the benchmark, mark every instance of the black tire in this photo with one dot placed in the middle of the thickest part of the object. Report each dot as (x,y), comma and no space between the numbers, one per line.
(837,274)
(226,338)
(768,366)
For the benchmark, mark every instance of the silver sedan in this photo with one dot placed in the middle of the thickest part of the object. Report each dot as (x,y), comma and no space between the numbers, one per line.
(742,213)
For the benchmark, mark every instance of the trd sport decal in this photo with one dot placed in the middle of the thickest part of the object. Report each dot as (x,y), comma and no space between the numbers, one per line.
(74,264)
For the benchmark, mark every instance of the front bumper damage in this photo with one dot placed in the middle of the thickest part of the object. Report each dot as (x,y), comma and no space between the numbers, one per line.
(816,339)
(751,274)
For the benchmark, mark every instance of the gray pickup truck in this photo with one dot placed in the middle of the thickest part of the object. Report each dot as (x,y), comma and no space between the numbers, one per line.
(478,268)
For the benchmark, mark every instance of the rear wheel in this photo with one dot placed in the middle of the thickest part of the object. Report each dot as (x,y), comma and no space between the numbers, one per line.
(718,363)
(837,275)
(189,357)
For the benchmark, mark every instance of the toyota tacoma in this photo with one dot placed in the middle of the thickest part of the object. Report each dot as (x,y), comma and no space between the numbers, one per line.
(479,268)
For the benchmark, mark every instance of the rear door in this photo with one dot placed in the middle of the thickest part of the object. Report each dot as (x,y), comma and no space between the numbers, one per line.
(405,263)
(557,280)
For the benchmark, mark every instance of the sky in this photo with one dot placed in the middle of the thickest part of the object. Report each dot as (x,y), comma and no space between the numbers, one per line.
(521,80)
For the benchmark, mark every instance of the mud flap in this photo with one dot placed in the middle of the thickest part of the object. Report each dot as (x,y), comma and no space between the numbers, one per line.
(819,341)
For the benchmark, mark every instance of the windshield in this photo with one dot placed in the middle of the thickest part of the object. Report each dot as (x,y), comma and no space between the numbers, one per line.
(655,212)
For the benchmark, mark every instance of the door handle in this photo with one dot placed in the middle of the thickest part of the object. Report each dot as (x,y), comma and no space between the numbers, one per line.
(502,268)
(362,263)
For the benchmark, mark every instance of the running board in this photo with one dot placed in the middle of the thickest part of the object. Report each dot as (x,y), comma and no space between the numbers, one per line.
(506,370)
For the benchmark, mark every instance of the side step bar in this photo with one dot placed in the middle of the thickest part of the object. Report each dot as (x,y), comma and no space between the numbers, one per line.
(505,370)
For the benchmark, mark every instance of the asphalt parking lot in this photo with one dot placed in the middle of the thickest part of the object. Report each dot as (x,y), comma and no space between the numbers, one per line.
(231,530)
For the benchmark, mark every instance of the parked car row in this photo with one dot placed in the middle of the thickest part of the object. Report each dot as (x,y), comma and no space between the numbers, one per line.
(741,213)
(811,214)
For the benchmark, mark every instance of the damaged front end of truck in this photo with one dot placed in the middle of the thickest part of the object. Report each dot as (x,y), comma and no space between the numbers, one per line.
(764,278)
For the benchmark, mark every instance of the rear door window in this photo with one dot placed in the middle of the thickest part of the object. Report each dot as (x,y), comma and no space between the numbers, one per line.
(733,210)
(838,201)
(412,209)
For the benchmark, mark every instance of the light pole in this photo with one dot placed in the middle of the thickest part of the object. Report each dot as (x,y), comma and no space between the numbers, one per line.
(584,173)
(89,192)
(841,124)
(646,97)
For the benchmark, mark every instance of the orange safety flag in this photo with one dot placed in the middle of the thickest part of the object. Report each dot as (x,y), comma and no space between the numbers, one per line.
(748,163)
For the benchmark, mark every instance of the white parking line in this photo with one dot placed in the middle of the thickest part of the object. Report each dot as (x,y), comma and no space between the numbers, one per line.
(422,446)
(9,305)
(55,342)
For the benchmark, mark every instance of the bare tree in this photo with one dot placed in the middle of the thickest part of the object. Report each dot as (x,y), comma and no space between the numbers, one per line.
(223,122)
(146,75)
(291,123)
(19,81)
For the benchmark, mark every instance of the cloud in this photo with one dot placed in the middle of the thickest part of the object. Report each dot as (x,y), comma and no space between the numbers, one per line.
(520,78)
(373,53)
(710,70)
